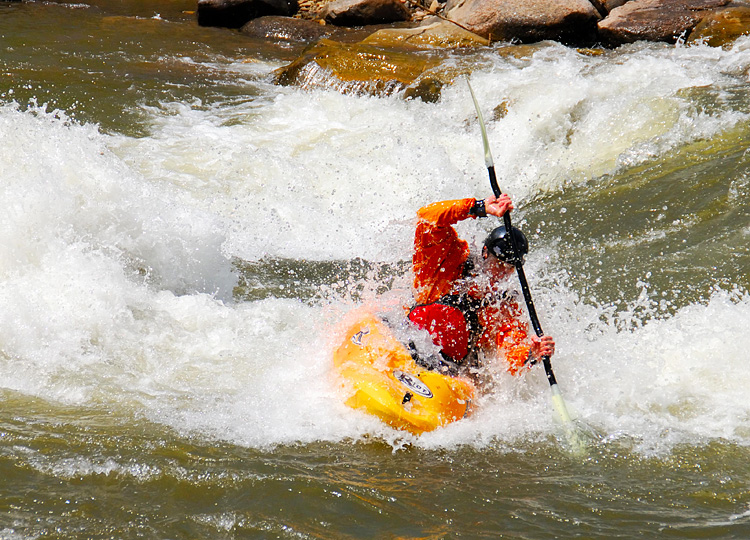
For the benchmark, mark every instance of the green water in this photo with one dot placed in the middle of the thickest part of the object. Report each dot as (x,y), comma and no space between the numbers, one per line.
(92,59)
(677,225)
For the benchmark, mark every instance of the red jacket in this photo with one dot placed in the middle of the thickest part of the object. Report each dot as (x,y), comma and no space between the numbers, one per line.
(438,263)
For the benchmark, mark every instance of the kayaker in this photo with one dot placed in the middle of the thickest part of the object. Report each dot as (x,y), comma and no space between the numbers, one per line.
(461,298)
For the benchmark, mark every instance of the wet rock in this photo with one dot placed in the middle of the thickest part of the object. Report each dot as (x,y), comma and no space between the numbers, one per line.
(235,13)
(567,21)
(356,68)
(722,27)
(388,61)
(288,29)
(440,34)
(427,89)
(655,20)
(364,12)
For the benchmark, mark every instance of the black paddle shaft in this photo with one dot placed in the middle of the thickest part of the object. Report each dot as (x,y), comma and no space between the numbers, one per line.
(522,278)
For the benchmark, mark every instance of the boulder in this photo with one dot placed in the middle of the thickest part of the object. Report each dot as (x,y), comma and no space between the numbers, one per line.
(288,29)
(439,34)
(235,13)
(654,20)
(722,27)
(406,61)
(567,21)
(356,68)
(364,12)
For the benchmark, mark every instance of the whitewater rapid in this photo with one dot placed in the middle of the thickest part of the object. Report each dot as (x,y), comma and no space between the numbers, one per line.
(118,254)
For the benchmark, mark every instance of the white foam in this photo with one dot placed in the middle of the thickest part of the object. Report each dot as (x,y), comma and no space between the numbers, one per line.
(62,186)
(321,175)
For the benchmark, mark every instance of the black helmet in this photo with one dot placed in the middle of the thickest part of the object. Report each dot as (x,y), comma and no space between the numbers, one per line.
(499,244)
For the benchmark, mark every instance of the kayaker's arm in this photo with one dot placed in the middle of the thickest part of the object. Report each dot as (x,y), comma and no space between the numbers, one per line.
(447,213)
(510,335)
(439,253)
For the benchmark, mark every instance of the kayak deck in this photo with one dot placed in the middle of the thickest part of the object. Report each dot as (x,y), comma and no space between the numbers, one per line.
(383,379)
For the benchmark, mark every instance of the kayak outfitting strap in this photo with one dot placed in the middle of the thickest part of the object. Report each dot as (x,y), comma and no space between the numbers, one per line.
(478,209)
(432,362)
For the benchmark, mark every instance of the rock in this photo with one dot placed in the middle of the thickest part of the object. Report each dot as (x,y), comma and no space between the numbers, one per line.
(364,12)
(722,27)
(606,6)
(288,29)
(408,61)
(442,34)
(388,61)
(654,20)
(355,68)
(609,5)
(567,21)
(235,13)
(427,89)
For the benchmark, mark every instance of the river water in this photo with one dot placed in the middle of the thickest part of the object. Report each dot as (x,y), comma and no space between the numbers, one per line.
(179,237)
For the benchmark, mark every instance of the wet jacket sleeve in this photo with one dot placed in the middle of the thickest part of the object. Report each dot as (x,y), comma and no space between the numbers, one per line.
(439,254)
(507,333)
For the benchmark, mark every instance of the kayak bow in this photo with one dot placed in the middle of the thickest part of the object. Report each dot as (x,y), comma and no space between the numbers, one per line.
(379,376)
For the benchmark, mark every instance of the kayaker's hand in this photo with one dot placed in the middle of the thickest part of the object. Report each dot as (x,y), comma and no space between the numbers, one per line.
(497,206)
(540,347)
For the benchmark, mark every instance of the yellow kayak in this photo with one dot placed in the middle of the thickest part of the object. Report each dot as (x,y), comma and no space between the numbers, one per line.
(381,377)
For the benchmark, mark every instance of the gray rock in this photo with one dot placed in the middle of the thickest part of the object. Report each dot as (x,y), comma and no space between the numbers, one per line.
(364,12)
(235,13)
(567,21)
(654,20)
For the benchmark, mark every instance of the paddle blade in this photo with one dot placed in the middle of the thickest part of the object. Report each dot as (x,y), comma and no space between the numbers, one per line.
(573,437)
(487,154)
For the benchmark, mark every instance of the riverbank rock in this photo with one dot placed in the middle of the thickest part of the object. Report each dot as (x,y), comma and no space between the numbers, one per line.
(410,61)
(441,34)
(236,13)
(387,61)
(364,12)
(655,20)
(723,27)
(289,29)
(567,21)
